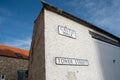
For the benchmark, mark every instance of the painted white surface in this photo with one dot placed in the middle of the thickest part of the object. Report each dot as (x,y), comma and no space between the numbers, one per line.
(107,53)
(83,47)
(71,61)
(63,30)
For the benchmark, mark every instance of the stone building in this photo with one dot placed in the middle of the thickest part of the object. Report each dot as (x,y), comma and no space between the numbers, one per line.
(12,60)
(65,47)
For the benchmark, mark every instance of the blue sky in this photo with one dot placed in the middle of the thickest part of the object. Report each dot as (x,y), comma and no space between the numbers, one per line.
(17,17)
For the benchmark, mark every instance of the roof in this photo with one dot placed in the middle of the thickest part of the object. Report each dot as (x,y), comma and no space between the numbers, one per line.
(76,19)
(9,51)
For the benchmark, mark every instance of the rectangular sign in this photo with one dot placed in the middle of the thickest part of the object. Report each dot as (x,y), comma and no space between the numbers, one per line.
(71,61)
(63,30)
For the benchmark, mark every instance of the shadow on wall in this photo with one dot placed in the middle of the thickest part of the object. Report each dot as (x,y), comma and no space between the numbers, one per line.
(109,57)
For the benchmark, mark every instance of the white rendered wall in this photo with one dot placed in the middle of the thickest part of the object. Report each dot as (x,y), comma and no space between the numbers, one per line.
(83,47)
(107,53)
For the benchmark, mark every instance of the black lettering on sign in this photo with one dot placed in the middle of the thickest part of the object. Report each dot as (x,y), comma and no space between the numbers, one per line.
(63,30)
(71,61)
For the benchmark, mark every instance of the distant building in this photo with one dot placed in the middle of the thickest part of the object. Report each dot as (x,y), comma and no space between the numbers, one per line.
(11,61)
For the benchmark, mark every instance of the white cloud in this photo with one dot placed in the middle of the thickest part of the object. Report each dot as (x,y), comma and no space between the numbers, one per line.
(104,14)
(5,17)
(20,43)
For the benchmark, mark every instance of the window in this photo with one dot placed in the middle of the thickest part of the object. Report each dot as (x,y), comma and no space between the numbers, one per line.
(18,55)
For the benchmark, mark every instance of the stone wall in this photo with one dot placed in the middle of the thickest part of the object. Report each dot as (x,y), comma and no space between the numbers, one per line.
(9,66)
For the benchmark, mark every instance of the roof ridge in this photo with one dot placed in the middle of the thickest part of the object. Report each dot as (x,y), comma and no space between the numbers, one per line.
(79,20)
(12,51)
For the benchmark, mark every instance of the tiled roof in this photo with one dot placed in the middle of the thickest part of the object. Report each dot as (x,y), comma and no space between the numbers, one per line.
(9,51)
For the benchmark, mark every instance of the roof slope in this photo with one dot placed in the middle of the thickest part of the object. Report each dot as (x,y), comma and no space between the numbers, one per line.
(74,18)
(13,52)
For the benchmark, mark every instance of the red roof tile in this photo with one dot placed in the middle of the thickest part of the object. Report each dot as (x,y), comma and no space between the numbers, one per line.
(13,52)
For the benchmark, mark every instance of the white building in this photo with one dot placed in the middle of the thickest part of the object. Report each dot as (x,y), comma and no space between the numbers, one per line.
(65,47)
